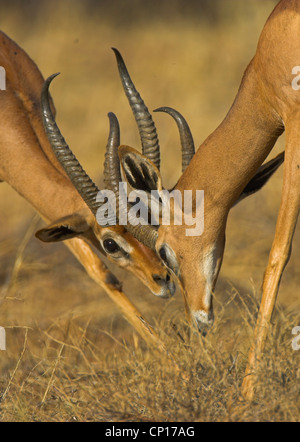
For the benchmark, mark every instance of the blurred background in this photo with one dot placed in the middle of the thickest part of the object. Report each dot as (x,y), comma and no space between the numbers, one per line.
(187,54)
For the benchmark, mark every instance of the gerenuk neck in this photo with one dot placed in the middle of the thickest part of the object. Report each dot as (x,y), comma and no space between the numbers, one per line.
(230,156)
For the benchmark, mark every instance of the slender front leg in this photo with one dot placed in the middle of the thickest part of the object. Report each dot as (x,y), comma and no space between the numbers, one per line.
(98,271)
(280,252)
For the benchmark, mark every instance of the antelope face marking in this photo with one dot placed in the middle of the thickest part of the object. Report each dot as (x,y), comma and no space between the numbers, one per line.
(196,267)
(130,254)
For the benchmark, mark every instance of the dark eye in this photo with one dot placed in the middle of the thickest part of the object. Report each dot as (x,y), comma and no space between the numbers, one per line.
(163,255)
(111,246)
(169,258)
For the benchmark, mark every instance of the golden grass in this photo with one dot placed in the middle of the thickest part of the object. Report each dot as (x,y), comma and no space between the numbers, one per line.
(70,355)
(68,372)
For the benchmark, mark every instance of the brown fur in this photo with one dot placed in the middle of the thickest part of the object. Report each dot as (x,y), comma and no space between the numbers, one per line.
(29,165)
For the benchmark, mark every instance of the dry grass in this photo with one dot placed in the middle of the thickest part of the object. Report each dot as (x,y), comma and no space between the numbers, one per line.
(74,370)
(70,355)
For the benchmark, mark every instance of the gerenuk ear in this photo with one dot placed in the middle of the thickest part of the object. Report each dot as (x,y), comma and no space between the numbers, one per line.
(65,228)
(139,171)
(261,177)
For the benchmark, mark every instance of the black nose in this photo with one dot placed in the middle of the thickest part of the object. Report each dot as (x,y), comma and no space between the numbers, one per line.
(160,280)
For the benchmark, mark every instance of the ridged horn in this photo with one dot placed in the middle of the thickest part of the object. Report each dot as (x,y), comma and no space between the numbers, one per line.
(112,176)
(146,126)
(186,138)
(112,172)
(81,181)
(147,235)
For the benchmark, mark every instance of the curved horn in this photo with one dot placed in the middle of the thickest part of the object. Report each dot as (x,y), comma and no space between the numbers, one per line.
(146,126)
(82,182)
(186,138)
(112,177)
(112,173)
(147,235)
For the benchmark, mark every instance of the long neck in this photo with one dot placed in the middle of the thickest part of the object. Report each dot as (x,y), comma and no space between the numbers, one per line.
(25,166)
(27,161)
(230,156)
